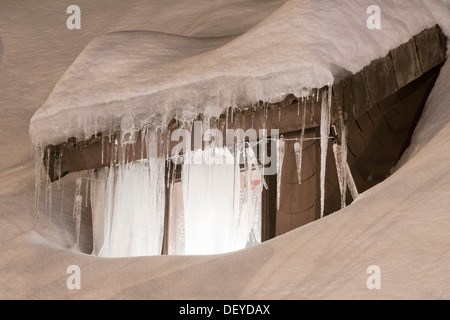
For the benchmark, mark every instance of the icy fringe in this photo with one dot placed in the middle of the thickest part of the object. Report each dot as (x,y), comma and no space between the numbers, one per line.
(128,198)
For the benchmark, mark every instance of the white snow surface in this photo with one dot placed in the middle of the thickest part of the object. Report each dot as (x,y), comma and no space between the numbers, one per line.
(132,78)
(402,224)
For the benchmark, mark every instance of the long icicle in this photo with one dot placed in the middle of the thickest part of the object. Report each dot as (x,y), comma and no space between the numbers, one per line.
(324,133)
(351,183)
(338,160)
(343,167)
(298,146)
(78,204)
(47,182)
(38,158)
(280,158)
(78,185)
(88,182)
(340,151)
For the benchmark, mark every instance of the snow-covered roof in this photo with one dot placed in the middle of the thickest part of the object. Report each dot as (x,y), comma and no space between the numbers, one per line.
(132,78)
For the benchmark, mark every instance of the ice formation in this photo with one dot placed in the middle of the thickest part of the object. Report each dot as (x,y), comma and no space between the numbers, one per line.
(280,158)
(128,209)
(298,145)
(218,203)
(128,80)
(324,136)
(128,202)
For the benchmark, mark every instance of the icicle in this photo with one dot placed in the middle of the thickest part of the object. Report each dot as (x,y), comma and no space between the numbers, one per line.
(248,172)
(280,158)
(343,156)
(351,183)
(226,119)
(47,180)
(133,152)
(78,185)
(58,168)
(185,173)
(143,133)
(38,157)
(236,176)
(340,173)
(174,173)
(103,147)
(85,130)
(324,133)
(344,174)
(169,165)
(262,149)
(298,146)
(298,160)
(166,143)
(87,191)
(77,212)
(232,114)
(114,149)
(50,201)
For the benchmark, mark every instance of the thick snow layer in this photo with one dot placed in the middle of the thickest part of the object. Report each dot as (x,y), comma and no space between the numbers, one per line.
(129,79)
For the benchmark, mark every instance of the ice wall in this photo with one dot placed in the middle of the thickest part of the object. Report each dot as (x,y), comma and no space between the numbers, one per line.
(213,220)
(128,209)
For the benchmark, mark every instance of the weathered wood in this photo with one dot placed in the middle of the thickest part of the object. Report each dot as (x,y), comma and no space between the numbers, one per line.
(430,48)
(406,63)
(297,205)
(361,95)
(378,138)
(343,95)
(381,80)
